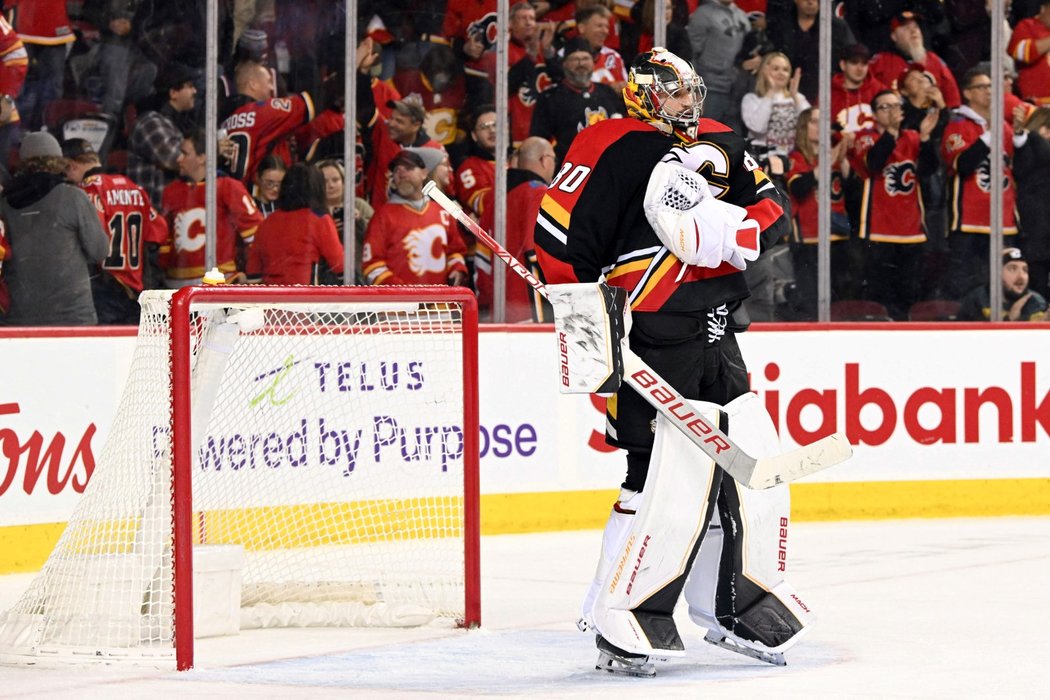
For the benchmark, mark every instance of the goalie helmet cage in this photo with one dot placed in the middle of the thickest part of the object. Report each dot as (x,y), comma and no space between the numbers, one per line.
(329,433)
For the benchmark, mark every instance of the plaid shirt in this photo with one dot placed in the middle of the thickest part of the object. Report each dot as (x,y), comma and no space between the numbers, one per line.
(153,152)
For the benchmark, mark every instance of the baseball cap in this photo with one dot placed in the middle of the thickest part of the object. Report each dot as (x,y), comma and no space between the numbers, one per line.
(1013,255)
(856,52)
(74,148)
(410,106)
(39,144)
(407,157)
(432,157)
(918,67)
(902,18)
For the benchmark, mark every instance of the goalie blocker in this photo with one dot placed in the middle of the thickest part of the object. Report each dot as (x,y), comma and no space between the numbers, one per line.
(590,322)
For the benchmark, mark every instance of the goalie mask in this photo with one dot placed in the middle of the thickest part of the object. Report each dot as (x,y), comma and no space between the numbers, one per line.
(664,90)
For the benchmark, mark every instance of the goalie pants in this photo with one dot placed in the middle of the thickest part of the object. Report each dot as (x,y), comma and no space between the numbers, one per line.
(700,364)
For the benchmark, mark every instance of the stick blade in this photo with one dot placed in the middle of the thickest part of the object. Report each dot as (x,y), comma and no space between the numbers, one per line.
(810,459)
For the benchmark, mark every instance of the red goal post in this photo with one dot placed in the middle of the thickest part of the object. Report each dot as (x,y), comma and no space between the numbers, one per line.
(320,443)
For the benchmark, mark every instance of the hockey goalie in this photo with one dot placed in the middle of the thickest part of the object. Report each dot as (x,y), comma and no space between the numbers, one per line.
(658,216)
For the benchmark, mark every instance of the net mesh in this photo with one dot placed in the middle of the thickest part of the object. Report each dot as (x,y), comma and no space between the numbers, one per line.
(329,447)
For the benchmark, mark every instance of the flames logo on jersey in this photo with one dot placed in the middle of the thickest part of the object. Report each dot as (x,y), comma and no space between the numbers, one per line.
(592,117)
(425,249)
(899,178)
(484,30)
(983,176)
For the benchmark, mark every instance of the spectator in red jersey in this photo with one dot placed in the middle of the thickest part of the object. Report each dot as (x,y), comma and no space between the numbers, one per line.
(439,81)
(14,61)
(593,24)
(576,102)
(852,91)
(44,28)
(1010,100)
(290,245)
(965,148)
(891,160)
(1032,170)
(526,186)
(802,186)
(183,204)
(907,38)
(1030,48)
(135,231)
(268,180)
(410,239)
(477,173)
(262,123)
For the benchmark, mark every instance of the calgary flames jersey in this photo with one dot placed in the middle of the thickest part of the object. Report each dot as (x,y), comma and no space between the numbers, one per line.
(130,222)
(592,224)
(405,245)
(969,164)
(891,205)
(237,217)
(255,128)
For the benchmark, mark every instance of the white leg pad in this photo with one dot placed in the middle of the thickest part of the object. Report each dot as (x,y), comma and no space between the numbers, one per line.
(765,517)
(662,534)
(616,530)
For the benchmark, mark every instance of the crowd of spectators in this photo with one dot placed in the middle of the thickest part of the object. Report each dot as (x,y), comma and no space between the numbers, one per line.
(119,86)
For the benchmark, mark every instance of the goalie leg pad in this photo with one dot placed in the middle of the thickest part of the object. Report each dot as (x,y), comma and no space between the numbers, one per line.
(634,604)
(736,587)
(616,531)
(590,322)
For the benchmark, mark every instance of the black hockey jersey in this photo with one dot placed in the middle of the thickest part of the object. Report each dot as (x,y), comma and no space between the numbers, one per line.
(564,111)
(592,224)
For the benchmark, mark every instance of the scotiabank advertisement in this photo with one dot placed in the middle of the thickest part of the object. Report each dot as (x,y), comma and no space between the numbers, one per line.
(964,402)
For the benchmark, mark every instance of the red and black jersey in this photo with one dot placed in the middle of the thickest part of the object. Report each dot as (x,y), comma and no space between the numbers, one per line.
(443,108)
(289,245)
(851,107)
(475,178)
(1033,68)
(802,185)
(406,245)
(525,191)
(236,219)
(255,128)
(130,222)
(477,17)
(891,204)
(969,164)
(592,224)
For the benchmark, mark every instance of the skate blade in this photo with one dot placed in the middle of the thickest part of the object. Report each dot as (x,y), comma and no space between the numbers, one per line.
(769,657)
(639,668)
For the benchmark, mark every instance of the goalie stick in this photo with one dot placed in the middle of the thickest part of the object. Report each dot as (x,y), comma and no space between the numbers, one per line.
(747,470)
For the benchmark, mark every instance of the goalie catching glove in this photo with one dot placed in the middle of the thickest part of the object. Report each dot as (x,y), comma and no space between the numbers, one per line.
(693,224)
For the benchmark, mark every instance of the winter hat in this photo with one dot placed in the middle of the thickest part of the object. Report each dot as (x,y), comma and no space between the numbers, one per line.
(431,157)
(1013,255)
(39,144)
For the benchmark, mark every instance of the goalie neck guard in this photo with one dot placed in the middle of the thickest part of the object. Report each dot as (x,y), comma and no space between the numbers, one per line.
(665,91)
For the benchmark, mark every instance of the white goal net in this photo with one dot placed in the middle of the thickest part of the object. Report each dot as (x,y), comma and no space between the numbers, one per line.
(311,453)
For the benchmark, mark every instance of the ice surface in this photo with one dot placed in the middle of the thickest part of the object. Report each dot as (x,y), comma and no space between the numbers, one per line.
(906,609)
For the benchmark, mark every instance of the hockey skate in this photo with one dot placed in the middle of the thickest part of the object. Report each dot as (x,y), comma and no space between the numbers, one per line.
(721,640)
(615,660)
